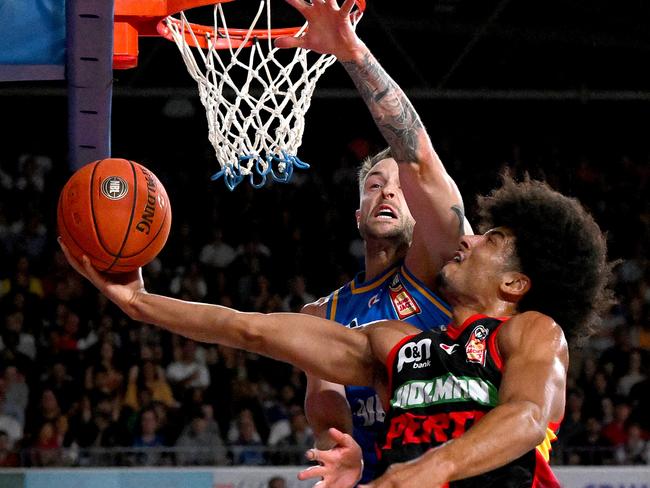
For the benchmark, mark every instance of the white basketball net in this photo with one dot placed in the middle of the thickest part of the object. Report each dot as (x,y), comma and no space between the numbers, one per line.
(255,105)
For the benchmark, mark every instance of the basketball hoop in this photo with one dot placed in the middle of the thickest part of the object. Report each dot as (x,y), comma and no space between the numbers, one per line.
(255,97)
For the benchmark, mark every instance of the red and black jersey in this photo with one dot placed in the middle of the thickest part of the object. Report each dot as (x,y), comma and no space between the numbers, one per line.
(441,383)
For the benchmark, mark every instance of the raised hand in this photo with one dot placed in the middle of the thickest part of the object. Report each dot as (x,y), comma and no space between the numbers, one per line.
(340,467)
(329,31)
(122,288)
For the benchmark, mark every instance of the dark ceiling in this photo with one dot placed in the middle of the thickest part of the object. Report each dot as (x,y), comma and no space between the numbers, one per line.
(446,45)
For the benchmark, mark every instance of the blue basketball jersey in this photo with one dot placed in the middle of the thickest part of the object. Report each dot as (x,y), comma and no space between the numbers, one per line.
(395,294)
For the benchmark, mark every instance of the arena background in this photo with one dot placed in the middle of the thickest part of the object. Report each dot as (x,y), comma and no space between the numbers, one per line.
(558,89)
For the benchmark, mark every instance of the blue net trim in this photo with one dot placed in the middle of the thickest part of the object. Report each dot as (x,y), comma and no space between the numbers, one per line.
(279,166)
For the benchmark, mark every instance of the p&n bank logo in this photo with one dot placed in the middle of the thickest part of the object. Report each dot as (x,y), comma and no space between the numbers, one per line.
(415,352)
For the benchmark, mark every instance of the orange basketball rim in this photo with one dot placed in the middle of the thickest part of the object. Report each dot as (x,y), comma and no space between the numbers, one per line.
(134,18)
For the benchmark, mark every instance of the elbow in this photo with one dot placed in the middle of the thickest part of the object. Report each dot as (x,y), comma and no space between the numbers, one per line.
(536,424)
(249,334)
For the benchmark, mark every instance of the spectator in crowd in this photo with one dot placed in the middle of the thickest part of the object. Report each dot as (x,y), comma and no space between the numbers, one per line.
(633,375)
(640,400)
(200,442)
(616,358)
(277,482)
(591,447)
(616,431)
(11,428)
(97,426)
(26,343)
(61,383)
(148,437)
(107,364)
(186,371)
(572,424)
(291,448)
(47,411)
(217,254)
(635,450)
(599,388)
(22,280)
(246,400)
(190,283)
(10,353)
(14,395)
(297,296)
(30,235)
(8,457)
(46,449)
(151,377)
(248,448)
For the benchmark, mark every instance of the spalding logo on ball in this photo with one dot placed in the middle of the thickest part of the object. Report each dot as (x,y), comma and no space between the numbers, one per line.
(116,212)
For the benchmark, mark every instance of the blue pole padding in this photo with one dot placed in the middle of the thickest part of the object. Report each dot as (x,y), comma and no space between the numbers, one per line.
(89,70)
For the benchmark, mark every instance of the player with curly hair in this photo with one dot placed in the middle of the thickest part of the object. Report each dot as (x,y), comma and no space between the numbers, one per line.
(468,406)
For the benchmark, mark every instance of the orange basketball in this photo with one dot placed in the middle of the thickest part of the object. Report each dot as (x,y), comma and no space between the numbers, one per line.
(116,212)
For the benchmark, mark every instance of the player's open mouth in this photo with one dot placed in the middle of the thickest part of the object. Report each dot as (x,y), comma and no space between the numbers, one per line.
(458,257)
(386,212)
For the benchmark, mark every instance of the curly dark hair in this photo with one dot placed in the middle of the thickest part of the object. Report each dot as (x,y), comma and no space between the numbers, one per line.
(559,247)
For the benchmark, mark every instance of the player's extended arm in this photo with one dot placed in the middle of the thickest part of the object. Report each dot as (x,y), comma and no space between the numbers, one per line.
(531,395)
(432,195)
(315,345)
(325,402)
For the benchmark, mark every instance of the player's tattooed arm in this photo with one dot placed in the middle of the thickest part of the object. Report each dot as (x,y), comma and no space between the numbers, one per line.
(460,213)
(393,113)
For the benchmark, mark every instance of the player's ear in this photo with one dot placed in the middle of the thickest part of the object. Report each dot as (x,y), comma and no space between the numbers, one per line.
(357,214)
(514,285)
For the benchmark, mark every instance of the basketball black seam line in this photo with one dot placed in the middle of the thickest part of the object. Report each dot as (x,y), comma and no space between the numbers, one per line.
(65,224)
(128,227)
(154,237)
(100,241)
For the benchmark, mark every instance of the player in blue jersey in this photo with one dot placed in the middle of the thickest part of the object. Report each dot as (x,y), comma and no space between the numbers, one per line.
(402,258)
(469,406)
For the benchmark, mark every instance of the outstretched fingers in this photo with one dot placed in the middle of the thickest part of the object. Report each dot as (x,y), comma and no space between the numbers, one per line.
(347,7)
(74,262)
(300,5)
(341,438)
(312,472)
(288,42)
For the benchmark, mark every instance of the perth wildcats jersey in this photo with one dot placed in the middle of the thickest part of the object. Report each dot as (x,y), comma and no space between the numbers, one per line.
(441,383)
(395,294)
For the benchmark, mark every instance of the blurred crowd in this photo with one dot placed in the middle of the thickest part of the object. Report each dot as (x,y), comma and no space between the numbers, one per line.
(81,384)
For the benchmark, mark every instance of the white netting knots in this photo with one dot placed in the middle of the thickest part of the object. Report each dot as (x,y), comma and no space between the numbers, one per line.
(255,105)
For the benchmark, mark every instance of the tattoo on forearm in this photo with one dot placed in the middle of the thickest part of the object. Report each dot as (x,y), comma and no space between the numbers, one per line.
(460,213)
(392,111)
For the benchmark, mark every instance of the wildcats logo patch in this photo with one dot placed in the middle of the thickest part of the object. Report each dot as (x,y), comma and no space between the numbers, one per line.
(476,345)
(403,303)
